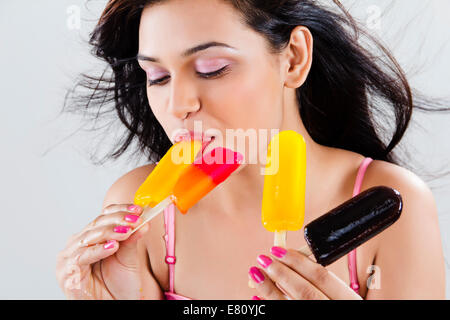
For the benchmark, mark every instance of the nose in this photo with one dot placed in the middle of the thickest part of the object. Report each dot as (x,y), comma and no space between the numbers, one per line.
(183,99)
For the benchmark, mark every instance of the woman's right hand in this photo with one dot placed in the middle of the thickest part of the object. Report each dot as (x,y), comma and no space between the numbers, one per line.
(101,261)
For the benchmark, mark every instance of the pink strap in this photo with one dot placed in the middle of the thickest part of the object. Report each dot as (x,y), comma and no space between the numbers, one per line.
(174,296)
(354,283)
(169,237)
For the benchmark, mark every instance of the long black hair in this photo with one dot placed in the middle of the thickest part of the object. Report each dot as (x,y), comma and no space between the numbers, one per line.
(354,98)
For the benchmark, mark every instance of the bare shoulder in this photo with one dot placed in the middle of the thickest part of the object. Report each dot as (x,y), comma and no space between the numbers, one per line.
(124,188)
(412,188)
(419,207)
(410,251)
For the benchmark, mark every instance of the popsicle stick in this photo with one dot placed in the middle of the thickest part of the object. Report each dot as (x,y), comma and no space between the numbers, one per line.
(280,239)
(305,250)
(150,213)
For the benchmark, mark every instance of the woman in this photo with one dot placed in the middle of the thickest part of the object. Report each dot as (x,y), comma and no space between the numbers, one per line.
(287,65)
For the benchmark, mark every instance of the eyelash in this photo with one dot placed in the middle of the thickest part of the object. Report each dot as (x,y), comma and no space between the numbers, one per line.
(203,75)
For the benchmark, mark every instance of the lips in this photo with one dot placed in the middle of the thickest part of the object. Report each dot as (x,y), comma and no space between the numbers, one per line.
(206,140)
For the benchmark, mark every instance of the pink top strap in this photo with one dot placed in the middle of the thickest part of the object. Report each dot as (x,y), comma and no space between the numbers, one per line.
(169,237)
(354,283)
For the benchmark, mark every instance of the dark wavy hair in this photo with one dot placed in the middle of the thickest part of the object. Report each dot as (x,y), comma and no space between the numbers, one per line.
(354,98)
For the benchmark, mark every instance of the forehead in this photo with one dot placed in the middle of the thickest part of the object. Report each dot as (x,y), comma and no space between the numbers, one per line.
(174,25)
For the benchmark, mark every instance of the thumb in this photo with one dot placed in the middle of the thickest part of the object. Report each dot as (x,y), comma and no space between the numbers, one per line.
(127,253)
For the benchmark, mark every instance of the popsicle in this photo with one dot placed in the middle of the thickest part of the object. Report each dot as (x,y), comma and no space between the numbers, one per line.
(197,180)
(203,176)
(349,225)
(283,204)
(160,182)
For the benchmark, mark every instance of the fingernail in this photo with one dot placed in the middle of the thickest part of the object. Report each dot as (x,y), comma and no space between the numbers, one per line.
(278,252)
(131,218)
(256,275)
(255,298)
(134,208)
(264,261)
(109,244)
(121,229)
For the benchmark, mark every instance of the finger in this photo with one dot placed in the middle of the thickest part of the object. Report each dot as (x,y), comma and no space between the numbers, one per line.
(74,268)
(116,211)
(93,254)
(136,236)
(264,285)
(328,283)
(107,232)
(251,284)
(122,207)
(114,214)
(101,234)
(119,218)
(122,218)
(290,281)
(127,254)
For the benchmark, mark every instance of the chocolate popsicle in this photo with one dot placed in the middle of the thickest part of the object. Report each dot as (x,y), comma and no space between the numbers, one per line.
(349,225)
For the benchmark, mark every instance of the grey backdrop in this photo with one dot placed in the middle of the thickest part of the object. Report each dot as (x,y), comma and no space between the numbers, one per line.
(49,187)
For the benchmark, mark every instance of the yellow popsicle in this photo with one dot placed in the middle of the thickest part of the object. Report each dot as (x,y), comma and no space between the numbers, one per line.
(283,205)
(161,181)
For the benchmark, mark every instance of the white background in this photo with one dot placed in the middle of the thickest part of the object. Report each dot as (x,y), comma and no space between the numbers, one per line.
(49,187)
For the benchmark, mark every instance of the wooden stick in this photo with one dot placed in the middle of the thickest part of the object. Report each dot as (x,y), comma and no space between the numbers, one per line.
(305,250)
(280,239)
(149,212)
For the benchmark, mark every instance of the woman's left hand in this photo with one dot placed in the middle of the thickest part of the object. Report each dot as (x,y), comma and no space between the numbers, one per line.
(290,275)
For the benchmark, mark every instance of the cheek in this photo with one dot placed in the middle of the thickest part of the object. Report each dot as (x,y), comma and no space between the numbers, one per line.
(156,105)
(163,118)
(250,102)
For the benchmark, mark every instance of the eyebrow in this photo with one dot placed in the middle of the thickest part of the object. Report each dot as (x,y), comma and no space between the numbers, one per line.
(189,51)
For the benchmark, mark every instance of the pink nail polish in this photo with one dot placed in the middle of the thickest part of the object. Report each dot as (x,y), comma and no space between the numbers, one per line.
(131,218)
(109,244)
(255,298)
(121,229)
(256,275)
(264,261)
(134,208)
(278,252)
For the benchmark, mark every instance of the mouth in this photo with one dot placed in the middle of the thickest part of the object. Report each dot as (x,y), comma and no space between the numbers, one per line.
(196,136)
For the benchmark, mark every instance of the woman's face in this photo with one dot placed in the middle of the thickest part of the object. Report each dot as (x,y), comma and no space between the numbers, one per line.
(246,96)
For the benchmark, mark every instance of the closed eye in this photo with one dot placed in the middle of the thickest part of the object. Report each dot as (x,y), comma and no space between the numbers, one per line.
(202,75)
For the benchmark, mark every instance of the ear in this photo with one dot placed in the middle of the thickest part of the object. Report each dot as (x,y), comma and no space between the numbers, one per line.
(297,57)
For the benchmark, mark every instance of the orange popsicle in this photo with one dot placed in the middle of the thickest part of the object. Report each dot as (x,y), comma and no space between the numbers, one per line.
(197,180)
(160,182)
(203,176)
